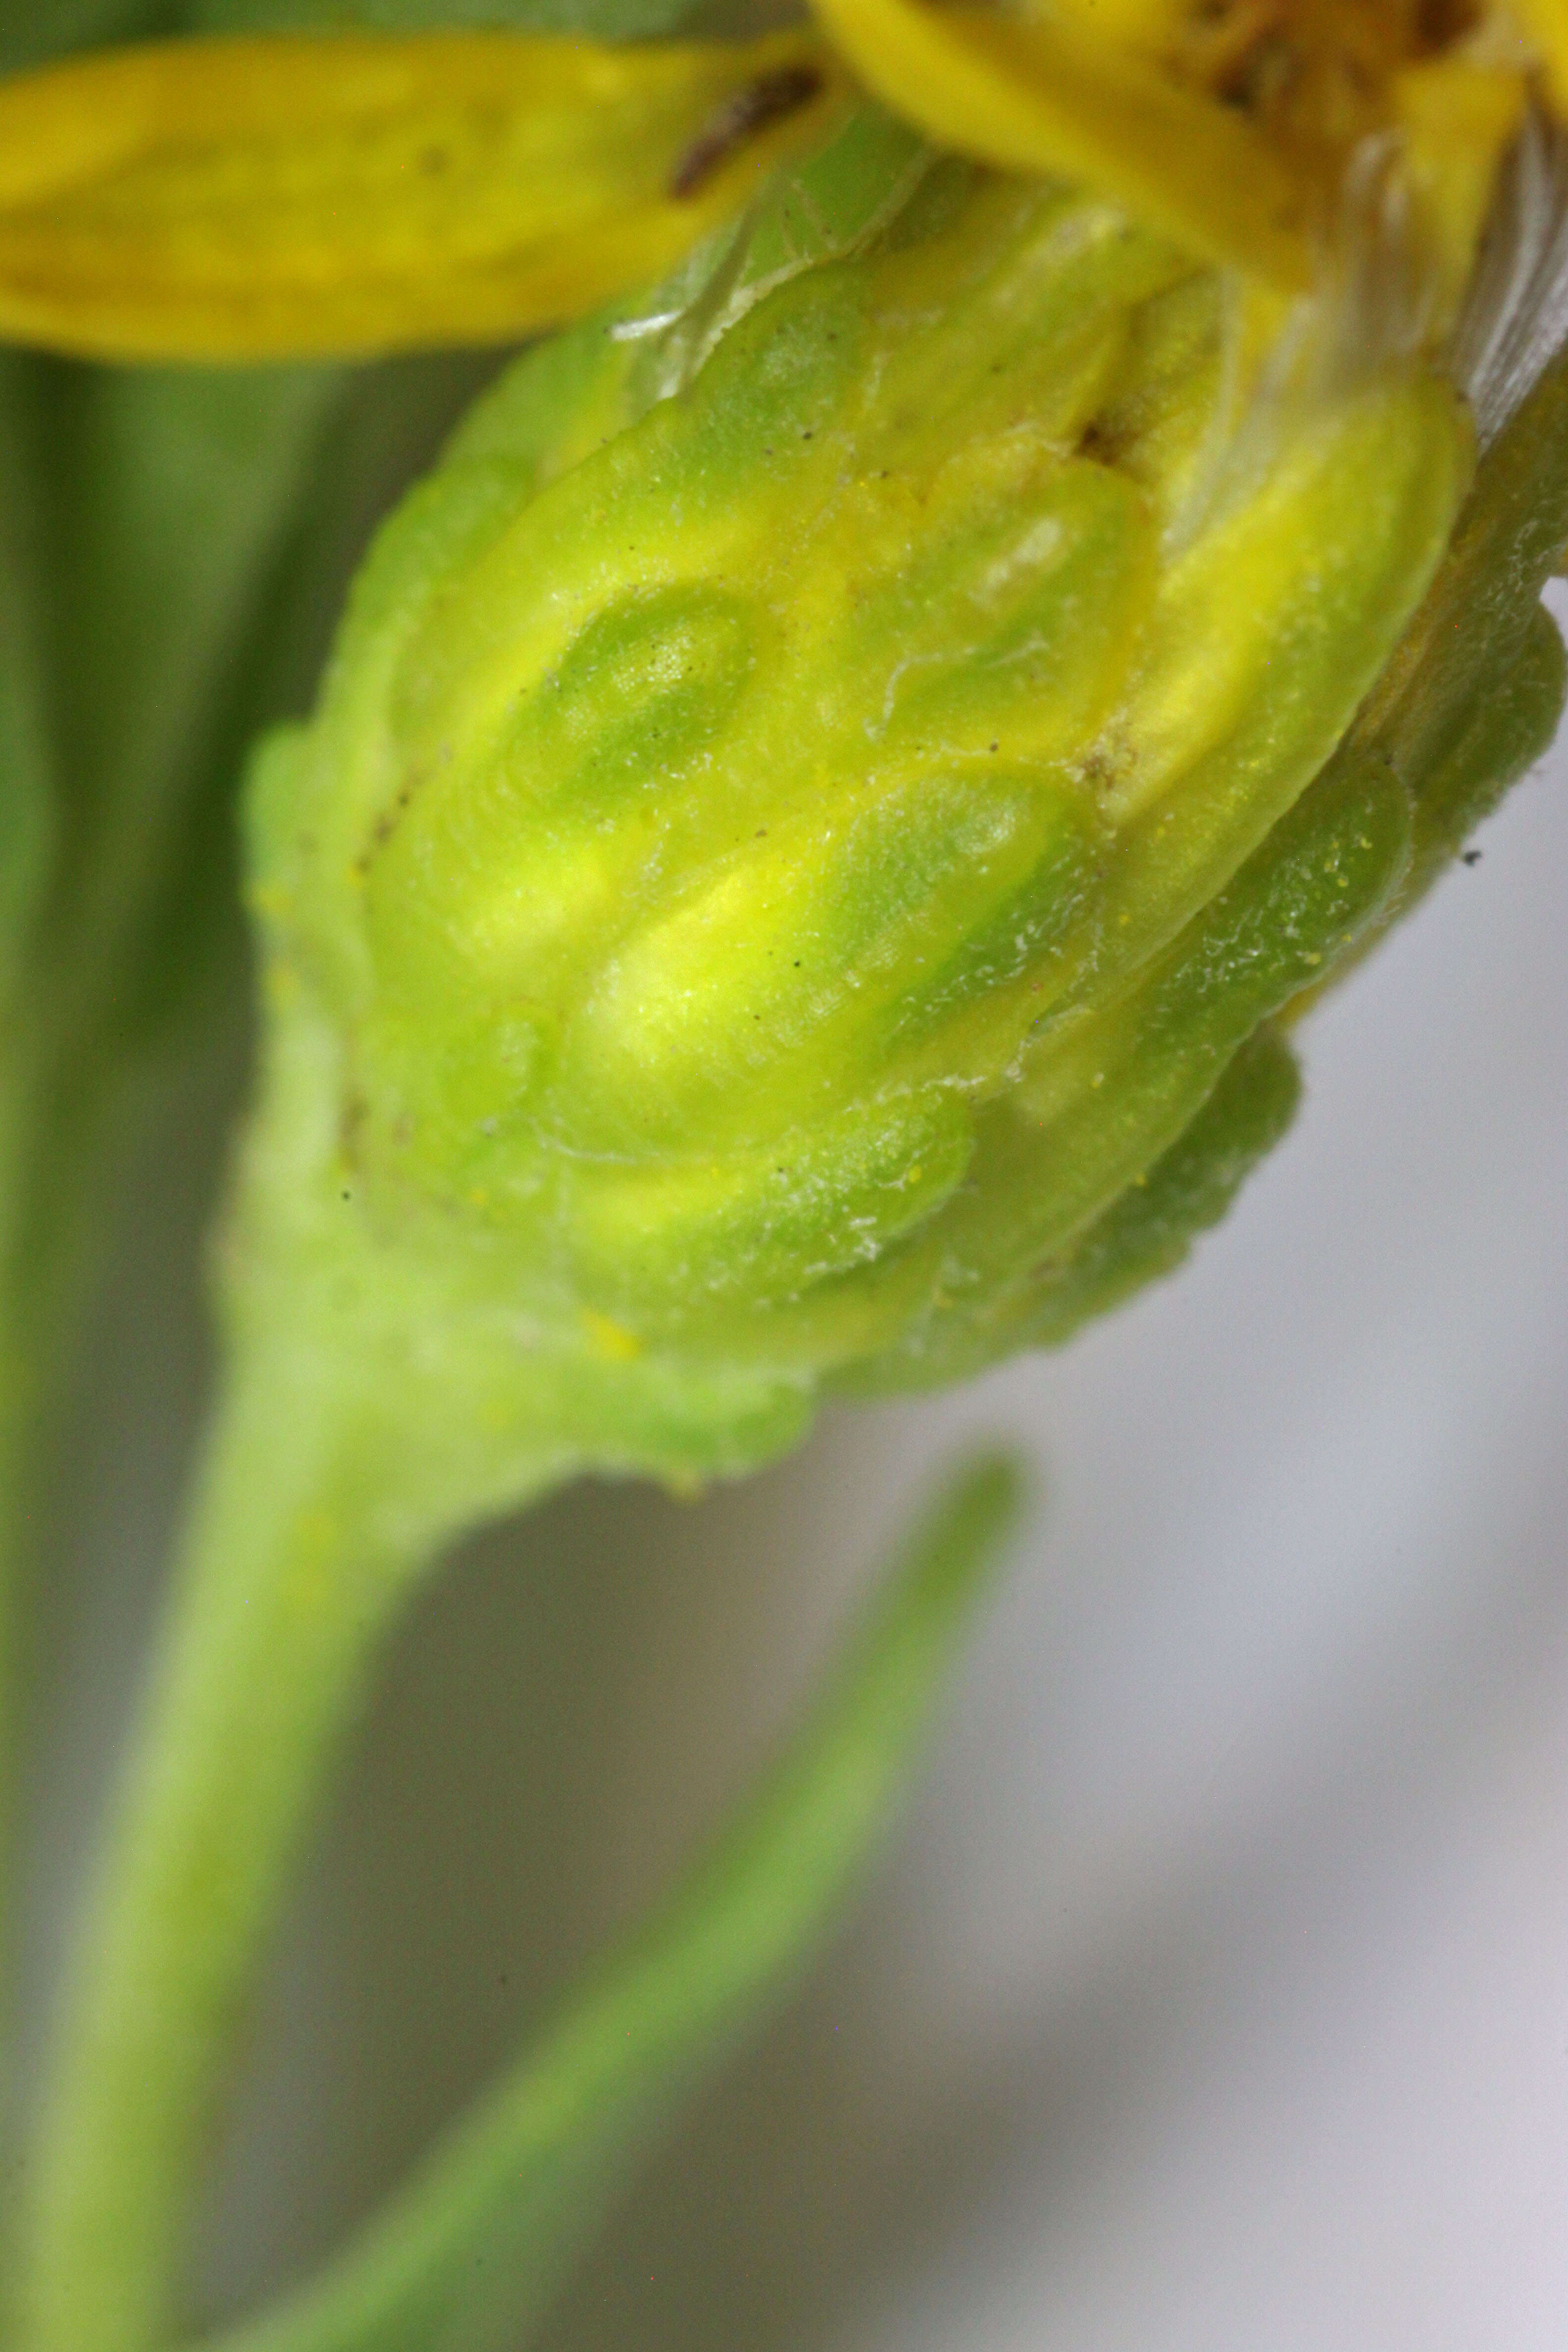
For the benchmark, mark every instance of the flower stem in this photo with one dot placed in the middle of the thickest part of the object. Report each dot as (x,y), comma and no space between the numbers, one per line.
(293,1565)
(473,2245)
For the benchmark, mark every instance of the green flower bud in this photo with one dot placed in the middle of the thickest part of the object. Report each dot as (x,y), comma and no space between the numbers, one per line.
(822,794)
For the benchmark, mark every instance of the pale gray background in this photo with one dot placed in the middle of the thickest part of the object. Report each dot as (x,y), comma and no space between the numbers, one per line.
(1214,1998)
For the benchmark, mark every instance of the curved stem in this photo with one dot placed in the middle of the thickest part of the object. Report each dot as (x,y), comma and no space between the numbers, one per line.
(472,2247)
(292,1566)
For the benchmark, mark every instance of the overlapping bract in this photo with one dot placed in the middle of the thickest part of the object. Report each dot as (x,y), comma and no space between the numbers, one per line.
(816,805)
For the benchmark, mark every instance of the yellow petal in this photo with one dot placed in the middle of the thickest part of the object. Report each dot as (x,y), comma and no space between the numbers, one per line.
(1546,21)
(263,198)
(1055,98)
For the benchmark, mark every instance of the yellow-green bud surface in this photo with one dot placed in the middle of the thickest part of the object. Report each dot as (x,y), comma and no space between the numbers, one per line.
(820,795)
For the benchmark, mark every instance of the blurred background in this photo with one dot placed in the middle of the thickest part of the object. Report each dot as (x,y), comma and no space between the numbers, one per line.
(1214,1994)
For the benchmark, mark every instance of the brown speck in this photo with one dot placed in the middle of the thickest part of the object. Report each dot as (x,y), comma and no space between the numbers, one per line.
(1260,77)
(1101,443)
(1440,23)
(767,99)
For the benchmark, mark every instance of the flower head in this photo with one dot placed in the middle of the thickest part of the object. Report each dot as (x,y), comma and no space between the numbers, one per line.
(823,797)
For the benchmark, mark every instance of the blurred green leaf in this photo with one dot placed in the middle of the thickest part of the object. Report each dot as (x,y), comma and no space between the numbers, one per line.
(32,31)
(468,2253)
(175,547)
(170,495)
(604,20)
(24,766)
(204,527)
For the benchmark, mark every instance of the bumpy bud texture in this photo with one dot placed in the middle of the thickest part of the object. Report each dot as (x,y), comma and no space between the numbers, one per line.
(818,801)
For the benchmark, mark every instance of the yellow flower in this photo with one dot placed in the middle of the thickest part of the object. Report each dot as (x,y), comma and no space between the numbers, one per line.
(235,199)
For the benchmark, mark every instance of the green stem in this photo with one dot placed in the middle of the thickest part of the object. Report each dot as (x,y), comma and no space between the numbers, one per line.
(293,1565)
(473,2246)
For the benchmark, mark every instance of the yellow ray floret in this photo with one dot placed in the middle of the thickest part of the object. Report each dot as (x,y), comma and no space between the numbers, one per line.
(1546,21)
(1069,98)
(257,198)
(1228,124)
(247,198)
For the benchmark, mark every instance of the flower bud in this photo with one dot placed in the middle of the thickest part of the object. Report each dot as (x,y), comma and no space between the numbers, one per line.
(821,794)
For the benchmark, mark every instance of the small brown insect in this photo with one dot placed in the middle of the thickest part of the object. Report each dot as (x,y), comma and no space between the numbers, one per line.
(767,99)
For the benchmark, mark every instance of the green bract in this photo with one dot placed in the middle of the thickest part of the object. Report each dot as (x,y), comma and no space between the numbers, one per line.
(820,795)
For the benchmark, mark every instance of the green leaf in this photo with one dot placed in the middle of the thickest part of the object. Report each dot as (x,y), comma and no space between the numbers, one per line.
(279,478)
(602,20)
(468,2254)
(193,536)
(173,493)
(24,820)
(33,31)
(26,780)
